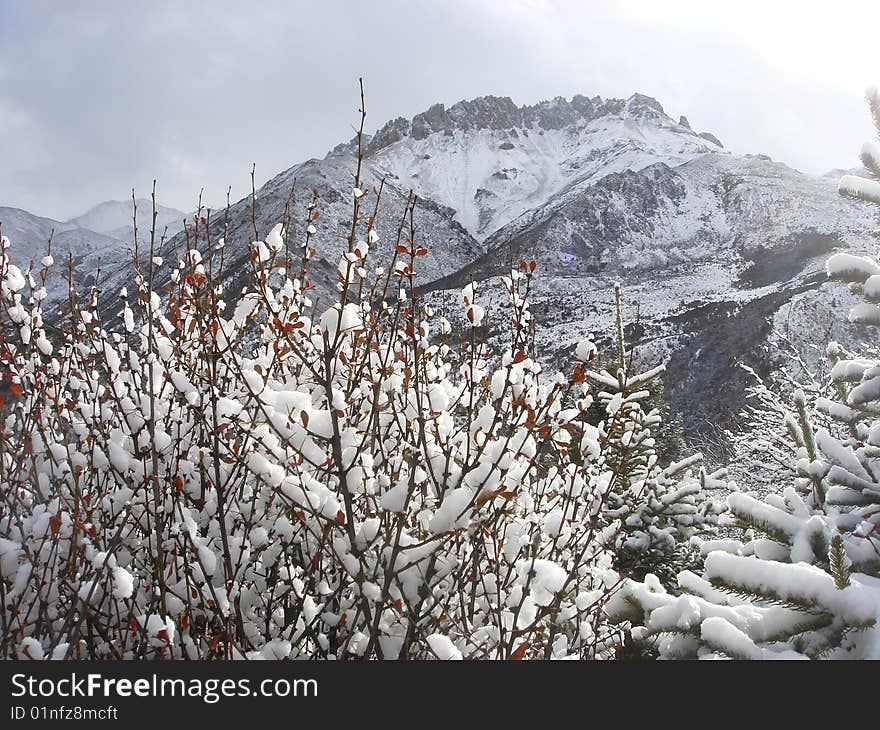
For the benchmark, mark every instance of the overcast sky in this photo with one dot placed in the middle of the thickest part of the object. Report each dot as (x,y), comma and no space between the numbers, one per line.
(98,97)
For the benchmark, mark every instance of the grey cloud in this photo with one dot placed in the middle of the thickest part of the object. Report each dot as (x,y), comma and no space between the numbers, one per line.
(97,97)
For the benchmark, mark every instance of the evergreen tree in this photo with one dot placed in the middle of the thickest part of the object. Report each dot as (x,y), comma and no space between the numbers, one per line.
(803,583)
(660,509)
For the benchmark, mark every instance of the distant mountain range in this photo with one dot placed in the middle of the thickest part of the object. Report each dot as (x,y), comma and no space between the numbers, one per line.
(719,254)
(114,218)
(98,240)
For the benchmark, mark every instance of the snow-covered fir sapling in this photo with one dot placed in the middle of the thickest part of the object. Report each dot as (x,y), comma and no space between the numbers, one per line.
(198,473)
(805,580)
(660,508)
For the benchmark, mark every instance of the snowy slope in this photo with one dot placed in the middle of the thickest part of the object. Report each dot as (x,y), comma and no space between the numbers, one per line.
(99,241)
(710,253)
(451,246)
(645,220)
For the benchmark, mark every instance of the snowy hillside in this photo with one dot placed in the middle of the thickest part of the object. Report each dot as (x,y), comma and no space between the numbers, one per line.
(99,240)
(451,246)
(708,252)
(709,245)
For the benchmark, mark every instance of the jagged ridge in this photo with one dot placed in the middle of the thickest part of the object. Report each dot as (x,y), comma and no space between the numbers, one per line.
(500,112)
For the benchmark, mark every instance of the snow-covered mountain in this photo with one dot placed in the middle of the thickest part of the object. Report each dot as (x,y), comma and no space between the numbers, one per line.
(92,252)
(492,161)
(99,240)
(720,255)
(717,252)
(477,168)
(114,218)
(332,177)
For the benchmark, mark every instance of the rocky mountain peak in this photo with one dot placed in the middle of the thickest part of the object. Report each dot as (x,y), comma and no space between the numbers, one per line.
(641,104)
(500,113)
(491,161)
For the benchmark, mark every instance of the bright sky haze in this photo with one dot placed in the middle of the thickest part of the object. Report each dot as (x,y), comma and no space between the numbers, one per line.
(100,97)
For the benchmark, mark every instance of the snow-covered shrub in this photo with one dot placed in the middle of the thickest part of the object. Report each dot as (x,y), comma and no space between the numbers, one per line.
(805,581)
(268,476)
